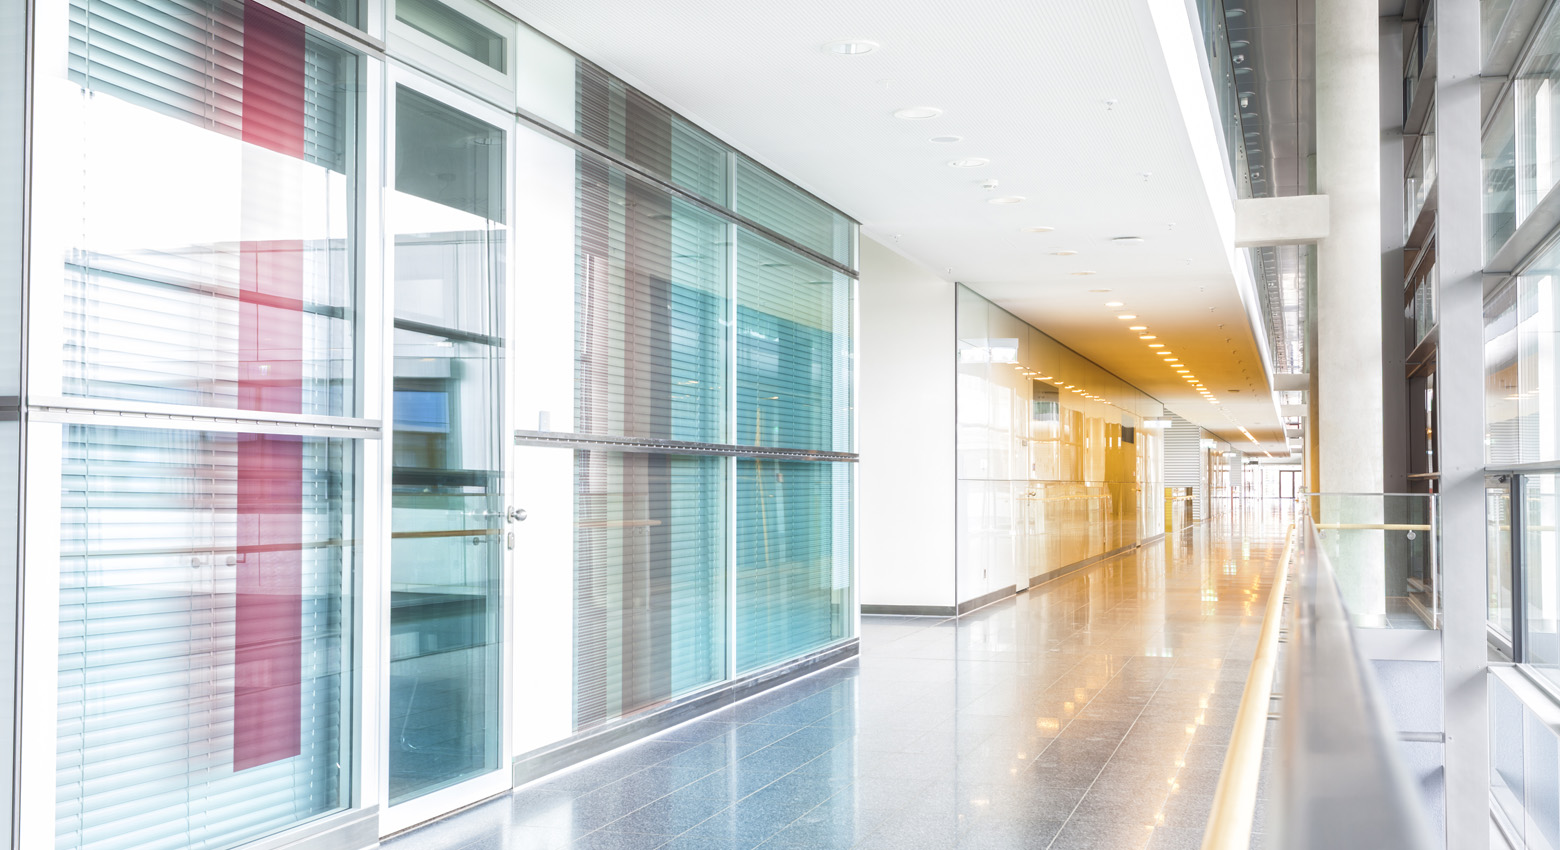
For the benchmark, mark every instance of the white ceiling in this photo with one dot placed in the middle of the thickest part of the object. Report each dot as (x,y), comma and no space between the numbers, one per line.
(1070,101)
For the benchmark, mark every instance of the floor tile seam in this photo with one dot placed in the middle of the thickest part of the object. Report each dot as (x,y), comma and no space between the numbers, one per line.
(1096,779)
(668,794)
(788,825)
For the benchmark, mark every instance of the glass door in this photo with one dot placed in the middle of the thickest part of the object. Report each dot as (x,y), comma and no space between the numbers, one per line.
(446,218)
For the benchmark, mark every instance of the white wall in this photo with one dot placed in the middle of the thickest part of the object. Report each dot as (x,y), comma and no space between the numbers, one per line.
(905,432)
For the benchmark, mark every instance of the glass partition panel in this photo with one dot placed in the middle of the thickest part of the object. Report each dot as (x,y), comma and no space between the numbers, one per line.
(1508,792)
(650,580)
(793,559)
(1499,163)
(1502,419)
(1537,106)
(1540,573)
(458,32)
(792,213)
(1498,554)
(205,635)
(1383,549)
(794,349)
(212,262)
(619,118)
(446,214)
(650,312)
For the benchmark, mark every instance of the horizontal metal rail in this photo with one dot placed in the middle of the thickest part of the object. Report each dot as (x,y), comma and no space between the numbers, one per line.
(1235,798)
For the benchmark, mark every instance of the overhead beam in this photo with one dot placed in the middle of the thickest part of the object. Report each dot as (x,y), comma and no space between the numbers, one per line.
(1295,220)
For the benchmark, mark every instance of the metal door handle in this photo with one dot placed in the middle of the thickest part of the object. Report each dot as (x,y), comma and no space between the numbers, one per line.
(516,515)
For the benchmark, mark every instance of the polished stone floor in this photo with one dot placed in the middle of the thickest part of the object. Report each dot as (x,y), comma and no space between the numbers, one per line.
(1092,712)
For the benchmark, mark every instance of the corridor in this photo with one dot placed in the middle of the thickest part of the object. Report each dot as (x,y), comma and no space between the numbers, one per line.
(1091,712)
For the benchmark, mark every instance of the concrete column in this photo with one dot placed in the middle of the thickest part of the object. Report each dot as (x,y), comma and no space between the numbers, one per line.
(1460,388)
(1348,319)
(1350,421)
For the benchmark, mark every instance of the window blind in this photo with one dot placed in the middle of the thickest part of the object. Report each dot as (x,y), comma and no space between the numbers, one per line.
(650,312)
(792,213)
(151,548)
(793,349)
(645,133)
(793,558)
(650,593)
(211,265)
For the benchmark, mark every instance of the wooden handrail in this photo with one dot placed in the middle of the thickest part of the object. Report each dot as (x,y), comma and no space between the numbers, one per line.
(1235,799)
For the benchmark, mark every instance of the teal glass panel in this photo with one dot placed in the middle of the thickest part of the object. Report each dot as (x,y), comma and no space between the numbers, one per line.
(792,213)
(794,559)
(650,580)
(650,313)
(205,636)
(794,350)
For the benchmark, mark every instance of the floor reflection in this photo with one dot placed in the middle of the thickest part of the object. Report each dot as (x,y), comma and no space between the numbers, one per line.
(1091,712)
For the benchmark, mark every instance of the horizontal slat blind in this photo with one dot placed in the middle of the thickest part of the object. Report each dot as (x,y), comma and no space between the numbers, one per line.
(793,349)
(650,585)
(647,134)
(793,558)
(650,312)
(148,578)
(792,213)
(189,234)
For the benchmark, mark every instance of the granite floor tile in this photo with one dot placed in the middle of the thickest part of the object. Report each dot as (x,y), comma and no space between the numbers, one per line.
(1089,712)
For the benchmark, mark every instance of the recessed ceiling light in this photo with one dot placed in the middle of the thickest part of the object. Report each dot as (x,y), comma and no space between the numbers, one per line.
(1085,273)
(1112,303)
(1006,199)
(917,113)
(1099,290)
(969,162)
(1126,316)
(1183,371)
(850,47)
(1171,359)
(1147,336)
(1138,328)
(1039,228)
(1156,345)
(1127,240)
(1063,253)
(946,140)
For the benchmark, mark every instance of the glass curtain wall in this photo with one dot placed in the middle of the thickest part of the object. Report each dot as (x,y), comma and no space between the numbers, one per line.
(615,313)
(206,619)
(1055,463)
(696,335)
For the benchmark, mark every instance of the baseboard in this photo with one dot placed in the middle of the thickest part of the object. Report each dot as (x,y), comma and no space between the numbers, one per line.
(910,610)
(1063,572)
(605,738)
(983,600)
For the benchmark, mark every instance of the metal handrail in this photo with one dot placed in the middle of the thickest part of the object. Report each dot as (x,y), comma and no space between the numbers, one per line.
(1339,783)
(1235,799)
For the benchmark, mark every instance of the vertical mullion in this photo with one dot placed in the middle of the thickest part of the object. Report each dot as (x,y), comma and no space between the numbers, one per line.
(729,433)
(1518,513)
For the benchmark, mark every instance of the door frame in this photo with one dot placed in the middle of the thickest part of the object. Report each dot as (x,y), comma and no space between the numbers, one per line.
(398,817)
